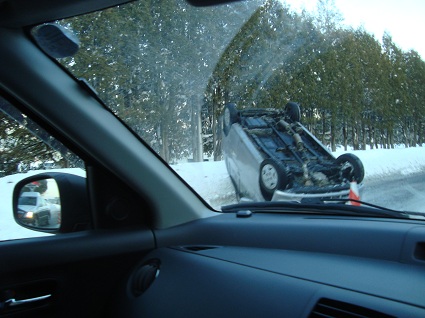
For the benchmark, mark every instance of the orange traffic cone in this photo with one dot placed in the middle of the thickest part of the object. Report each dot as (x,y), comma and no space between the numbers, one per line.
(354,194)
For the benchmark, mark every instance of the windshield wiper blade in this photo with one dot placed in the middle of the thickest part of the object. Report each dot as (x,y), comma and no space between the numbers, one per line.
(261,206)
(368,204)
(316,207)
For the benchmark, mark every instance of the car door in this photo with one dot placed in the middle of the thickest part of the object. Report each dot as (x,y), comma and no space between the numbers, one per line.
(126,192)
(70,272)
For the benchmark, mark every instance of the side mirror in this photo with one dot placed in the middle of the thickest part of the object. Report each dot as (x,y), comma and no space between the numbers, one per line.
(39,205)
(52,202)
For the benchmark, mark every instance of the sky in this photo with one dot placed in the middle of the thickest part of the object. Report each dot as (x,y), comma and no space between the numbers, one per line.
(403,19)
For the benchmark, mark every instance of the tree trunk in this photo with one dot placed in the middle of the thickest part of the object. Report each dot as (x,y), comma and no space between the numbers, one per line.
(405,135)
(218,136)
(165,153)
(355,137)
(215,131)
(323,128)
(414,135)
(196,132)
(333,133)
(390,139)
(364,139)
(345,137)
(371,137)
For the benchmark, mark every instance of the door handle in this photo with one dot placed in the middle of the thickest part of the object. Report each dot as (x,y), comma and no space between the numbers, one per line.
(13,302)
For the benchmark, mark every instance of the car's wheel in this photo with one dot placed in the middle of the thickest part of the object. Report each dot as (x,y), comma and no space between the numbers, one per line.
(273,176)
(230,117)
(293,111)
(351,167)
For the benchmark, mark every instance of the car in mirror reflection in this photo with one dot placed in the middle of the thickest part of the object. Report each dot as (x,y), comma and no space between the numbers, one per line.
(39,209)
(33,209)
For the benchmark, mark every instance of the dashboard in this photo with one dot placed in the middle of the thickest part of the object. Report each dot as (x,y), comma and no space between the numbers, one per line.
(302,266)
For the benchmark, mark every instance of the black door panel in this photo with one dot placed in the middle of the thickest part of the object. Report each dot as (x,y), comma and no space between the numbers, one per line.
(78,270)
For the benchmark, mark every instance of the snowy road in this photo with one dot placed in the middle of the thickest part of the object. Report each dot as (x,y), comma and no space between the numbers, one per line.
(387,178)
(397,192)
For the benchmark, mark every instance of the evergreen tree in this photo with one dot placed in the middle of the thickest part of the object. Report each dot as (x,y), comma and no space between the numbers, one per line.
(24,145)
(353,91)
(166,83)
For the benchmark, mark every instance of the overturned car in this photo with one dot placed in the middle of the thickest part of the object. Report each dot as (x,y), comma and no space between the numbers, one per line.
(270,155)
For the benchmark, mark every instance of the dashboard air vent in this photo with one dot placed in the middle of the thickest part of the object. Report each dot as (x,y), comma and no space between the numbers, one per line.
(198,248)
(335,309)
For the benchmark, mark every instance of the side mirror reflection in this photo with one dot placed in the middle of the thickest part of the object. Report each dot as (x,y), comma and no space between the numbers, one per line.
(39,205)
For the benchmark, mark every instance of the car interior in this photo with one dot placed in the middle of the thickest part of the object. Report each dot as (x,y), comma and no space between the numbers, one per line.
(137,241)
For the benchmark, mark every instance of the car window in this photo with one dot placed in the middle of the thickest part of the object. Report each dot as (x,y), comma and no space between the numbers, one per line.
(27,201)
(265,100)
(24,148)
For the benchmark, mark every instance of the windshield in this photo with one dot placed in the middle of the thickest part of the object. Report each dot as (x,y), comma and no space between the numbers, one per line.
(265,100)
(27,201)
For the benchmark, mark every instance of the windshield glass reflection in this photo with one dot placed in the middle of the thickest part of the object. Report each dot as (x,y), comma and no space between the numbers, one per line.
(170,73)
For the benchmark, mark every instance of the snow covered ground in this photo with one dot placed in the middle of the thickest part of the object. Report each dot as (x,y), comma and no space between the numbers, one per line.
(211,181)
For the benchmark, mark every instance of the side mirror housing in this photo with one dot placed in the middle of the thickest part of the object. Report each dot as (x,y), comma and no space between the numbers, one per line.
(52,202)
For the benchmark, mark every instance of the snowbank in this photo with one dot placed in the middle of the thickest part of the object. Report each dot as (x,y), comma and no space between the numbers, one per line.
(382,162)
(212,182)
(210,179)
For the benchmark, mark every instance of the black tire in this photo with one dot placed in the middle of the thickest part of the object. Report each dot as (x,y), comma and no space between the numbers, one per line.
(230,116)
(293,111)
(273,176)
(351,167)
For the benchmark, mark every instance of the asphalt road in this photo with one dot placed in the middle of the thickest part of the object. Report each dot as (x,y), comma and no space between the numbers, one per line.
(398,192)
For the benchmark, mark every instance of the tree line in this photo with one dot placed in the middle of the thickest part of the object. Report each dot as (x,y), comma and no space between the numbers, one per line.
(24,145)
(183,64)
(353,89)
